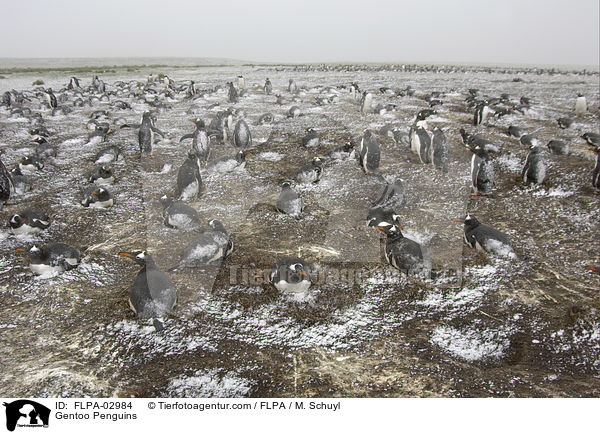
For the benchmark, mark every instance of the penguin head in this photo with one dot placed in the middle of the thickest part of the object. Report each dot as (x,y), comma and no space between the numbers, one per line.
(198,122)
(382,218)
(297,272)
(393,231)
(241,156)
(471,220)
(217,225)
(15,221)
(139,256)
(39,140)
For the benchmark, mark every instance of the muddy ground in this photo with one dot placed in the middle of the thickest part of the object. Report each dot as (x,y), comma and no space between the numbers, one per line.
(485,326)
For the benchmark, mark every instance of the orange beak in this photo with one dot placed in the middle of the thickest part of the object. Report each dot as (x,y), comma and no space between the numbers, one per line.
(129,255)
(20,250)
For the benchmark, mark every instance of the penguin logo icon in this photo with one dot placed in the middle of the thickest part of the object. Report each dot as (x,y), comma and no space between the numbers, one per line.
(26,413)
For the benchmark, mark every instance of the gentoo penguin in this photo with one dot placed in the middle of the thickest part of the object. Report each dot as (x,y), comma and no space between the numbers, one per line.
(28,221)
(233,94)
(73,83)
(53,258)
(200,139)
(294,111)
(564,123)
(421,117)
(558,147)
(265,119)
(51,98)
(229,164)
(420,143)
(291,275)
(310,172)
(20,182)
(97,197)
(482,171)
(534,169)
(268,87)
(367,102)
(6,182)
(241,135)
(440,150)
(596,171)
(211,247)
(340,152)
(592,139)
(529,140)
(482,111)
(178,215)
(486,238)
(515,132)
(101,175)
(152,294)
(107,155)
(31,163)
(189,181)
(383,217)
(292,87)
(241,82)
(474,139)
(391,196)
(146,133)
(44,149)
(289,202)
(369,153)
(311,139)
(580,105)
(405,254)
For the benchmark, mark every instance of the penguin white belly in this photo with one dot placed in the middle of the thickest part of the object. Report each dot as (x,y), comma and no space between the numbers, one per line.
(104,181)
(287,287)
(105,204)
(580,106)
(44,269)
(190,191)
(25,230)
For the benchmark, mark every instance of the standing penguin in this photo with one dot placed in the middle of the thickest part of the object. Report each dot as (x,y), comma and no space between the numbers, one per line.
(200,139)
(421,143)
(241,135)
(6,182)
(152,294)
(289,202)
(292,87)
(482,171)
(189,181)
(369,153)
(51,99)
(241,82)
(268,87)
(233,94)
(366,102)
(534,169)
(440,151)
(580,105)
(482,111)
(146,133)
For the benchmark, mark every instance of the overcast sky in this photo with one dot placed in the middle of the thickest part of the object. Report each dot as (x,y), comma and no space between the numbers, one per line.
(559,32)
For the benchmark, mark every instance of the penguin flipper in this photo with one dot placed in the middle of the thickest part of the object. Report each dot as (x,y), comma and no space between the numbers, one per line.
(187,136)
